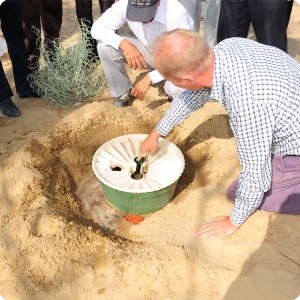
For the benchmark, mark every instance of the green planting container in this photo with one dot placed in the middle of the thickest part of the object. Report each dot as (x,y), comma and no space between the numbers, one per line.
(113,164)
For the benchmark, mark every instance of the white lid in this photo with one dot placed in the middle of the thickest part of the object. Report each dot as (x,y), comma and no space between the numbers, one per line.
(164,168)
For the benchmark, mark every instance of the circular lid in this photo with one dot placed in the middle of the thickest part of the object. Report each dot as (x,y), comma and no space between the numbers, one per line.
(113,164)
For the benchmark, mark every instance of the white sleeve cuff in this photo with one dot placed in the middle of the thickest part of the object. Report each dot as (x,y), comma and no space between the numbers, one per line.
(155,76)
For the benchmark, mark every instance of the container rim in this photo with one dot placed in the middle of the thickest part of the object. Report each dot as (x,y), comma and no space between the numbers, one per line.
(145,189)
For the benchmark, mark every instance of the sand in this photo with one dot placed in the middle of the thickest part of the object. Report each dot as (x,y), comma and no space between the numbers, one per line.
(51,248)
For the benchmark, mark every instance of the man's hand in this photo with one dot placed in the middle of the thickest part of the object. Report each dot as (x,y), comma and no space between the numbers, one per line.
(217,227)
(141,88)
(150,143)
(133,56)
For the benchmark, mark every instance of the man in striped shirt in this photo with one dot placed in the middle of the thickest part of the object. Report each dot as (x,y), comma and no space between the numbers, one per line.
(259,86)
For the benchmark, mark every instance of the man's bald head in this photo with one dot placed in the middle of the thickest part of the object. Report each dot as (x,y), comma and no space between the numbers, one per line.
(180,51)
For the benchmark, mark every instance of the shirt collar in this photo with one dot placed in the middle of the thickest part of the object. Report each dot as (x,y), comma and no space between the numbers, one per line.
(217,87)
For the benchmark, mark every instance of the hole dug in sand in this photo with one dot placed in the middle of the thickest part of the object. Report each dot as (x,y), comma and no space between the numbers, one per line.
(68,179)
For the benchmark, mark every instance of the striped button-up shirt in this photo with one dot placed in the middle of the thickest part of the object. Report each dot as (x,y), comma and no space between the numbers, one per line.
(259,86)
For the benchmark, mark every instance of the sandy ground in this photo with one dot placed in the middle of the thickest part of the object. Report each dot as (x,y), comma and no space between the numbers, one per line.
(51,249)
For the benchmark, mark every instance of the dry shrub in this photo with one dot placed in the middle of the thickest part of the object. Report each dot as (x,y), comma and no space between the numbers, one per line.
(68,75)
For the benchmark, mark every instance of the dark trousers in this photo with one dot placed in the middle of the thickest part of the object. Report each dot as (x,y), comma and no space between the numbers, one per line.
(269,19)
(84,13)
(11,15)
(41,14)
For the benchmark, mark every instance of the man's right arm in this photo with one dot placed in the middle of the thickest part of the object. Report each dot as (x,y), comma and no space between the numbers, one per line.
(182,107)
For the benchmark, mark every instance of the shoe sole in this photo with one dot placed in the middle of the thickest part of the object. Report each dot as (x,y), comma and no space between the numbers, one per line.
(118,104)
(12,116)
(28,96)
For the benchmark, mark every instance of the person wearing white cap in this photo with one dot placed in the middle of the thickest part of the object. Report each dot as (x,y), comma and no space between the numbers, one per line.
(146,19)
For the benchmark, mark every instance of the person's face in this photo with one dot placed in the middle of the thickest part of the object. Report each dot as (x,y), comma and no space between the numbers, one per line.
(158,3)
(194,80)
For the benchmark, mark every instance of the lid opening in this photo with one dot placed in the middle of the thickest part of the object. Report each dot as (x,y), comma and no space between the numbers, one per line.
(116,168)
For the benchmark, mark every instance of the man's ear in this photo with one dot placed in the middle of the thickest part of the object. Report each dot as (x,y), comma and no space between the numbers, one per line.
(189,77)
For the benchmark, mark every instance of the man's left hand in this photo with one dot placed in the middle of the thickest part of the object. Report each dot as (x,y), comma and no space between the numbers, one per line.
(215,228)
(141,88)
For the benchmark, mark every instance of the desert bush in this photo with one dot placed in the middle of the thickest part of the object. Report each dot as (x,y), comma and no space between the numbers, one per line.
(68,75)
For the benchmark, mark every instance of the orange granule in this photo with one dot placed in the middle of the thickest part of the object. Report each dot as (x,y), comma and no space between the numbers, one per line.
(133,218)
